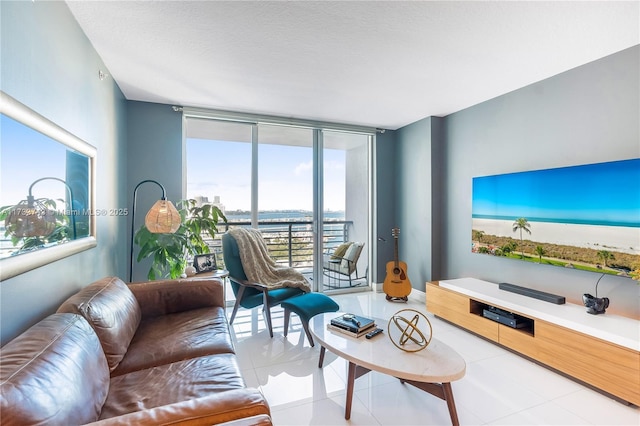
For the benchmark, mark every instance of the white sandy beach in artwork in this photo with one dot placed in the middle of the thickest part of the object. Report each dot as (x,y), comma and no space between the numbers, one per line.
(611,238)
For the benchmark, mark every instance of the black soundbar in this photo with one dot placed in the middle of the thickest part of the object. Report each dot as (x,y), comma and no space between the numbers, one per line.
(529,292)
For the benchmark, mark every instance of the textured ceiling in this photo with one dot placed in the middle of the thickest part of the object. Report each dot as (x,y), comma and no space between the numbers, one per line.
(374,63)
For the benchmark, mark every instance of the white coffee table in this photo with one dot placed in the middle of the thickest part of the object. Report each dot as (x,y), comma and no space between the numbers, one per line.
(432,369)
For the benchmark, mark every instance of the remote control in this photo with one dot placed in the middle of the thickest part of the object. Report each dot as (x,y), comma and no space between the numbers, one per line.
(373,333)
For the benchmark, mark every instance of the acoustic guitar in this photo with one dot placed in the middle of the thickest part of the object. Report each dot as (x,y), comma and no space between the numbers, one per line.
(396,284)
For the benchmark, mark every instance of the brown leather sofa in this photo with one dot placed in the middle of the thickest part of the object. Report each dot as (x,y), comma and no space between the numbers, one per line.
(146,353)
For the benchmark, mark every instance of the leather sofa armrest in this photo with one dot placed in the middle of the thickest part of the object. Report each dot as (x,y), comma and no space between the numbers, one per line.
(164,297)
(213,409)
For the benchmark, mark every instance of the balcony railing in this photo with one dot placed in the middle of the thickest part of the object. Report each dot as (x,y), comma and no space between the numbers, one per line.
(290,243)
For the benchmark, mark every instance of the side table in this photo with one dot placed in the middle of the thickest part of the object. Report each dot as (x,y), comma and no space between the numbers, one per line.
(218,273)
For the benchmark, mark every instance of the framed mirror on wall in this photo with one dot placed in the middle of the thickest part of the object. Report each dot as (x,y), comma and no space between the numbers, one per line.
(47,190)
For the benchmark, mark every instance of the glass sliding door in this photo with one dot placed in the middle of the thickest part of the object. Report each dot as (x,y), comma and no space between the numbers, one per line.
(346,210)
(285,194)
(307,190)
(218,157)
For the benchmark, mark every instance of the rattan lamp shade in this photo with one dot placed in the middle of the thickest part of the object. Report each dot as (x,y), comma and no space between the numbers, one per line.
(162,218)
(30,218)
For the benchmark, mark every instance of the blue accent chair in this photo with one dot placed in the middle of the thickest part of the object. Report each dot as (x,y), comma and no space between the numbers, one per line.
(250,295)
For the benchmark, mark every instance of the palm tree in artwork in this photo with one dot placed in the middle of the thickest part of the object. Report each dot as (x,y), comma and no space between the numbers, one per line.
(478,235)
(521,224)
(605,255)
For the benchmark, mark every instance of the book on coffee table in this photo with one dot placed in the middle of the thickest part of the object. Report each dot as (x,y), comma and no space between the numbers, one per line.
(351,333)
(351,323)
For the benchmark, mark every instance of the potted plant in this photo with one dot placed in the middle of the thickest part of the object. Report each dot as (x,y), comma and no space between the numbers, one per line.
(169,252)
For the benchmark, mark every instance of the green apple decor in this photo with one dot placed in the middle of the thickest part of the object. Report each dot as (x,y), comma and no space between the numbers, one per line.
(169,252)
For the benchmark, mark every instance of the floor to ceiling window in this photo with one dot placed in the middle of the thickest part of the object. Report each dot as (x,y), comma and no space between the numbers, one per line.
(306,188)
(218,164)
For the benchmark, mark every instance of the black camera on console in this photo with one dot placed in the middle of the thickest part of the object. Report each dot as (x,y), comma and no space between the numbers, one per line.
(595,305)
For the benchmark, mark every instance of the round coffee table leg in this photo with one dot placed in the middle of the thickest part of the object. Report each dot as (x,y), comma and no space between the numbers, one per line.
(351,378)
(448,396)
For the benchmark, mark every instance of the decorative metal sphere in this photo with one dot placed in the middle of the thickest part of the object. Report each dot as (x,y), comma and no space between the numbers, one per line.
(405,333)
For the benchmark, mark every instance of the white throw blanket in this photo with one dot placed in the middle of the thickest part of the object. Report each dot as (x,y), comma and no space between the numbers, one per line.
(258,265)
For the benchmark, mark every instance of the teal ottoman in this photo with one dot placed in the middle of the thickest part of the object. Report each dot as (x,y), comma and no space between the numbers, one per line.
(306,306)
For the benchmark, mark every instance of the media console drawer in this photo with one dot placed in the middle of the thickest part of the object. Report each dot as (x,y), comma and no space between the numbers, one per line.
(594,361)
(605,365)
(455,307)
(516,340)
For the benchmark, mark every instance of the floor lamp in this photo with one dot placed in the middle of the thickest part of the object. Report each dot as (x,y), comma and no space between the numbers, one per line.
(162,218)
(33,218)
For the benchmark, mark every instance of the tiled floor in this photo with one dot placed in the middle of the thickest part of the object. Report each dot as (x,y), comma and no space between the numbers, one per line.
(499,387)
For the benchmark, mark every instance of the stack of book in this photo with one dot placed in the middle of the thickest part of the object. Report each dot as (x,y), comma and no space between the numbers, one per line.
(352,325)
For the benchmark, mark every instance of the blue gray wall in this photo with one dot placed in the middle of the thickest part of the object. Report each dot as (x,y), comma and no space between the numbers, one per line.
(413,200)
(49,65)
(586,115)
(154,149)
(418,198)
(385,193)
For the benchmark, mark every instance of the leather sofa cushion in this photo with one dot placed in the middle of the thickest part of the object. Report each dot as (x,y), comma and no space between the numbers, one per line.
(54,373)
(113,312)
(172,383)
(176,337)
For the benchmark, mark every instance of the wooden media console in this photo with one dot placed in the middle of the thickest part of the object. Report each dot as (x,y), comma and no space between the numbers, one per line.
(600,350)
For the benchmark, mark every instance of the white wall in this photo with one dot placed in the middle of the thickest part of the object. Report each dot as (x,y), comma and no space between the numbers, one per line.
(49,65)
(357,199)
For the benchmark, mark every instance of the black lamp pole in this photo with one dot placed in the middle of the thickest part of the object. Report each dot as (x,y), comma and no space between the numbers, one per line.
(133,218)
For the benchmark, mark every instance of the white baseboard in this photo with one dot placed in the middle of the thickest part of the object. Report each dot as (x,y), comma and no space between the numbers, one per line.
(417,295)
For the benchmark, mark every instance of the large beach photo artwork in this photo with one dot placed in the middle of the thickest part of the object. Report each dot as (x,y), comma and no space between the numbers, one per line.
(583,217)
